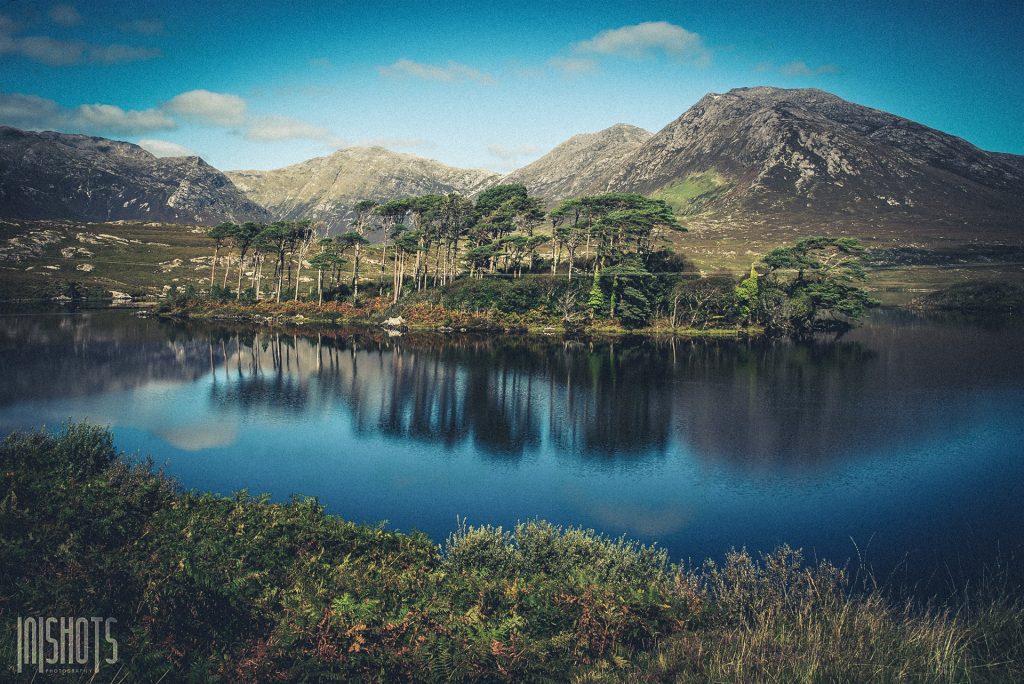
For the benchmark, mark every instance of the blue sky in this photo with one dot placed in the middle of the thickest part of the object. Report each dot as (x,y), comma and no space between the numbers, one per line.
(490,85)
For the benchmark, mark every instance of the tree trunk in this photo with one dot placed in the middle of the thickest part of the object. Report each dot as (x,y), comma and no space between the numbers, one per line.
(383,264)
(280,277)
(355,277)
(213,265)
(241,260)
(257,275)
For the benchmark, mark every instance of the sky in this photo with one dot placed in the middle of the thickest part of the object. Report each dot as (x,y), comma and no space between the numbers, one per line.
(259,85)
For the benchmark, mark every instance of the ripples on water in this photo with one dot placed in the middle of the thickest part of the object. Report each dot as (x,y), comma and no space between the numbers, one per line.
(904,436)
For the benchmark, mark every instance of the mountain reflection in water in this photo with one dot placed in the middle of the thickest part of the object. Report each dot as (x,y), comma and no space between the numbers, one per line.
(696,444)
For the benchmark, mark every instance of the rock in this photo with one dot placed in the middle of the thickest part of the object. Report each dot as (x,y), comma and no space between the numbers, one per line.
(118,296)
(396,322)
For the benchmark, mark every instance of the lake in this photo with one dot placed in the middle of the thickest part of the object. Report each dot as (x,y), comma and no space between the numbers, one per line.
(899,445)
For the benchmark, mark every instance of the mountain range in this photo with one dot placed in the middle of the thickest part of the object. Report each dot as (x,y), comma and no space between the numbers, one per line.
(760,155)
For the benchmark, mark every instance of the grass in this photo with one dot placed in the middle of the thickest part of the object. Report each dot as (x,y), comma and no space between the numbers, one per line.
(211,588)
(40,258)
(695,192)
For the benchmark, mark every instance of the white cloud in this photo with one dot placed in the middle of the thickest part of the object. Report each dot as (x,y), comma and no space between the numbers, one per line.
(28,111)
(206,107)
(31,111)
(43,49)
(274,128)
(801,69)
(105,117)
(573,66)
(55,52)
(452,71)
(650,36)
(165,148)
(65,15)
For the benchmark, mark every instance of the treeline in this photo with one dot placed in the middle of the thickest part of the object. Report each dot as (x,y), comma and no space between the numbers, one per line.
(608,246)
(241,589)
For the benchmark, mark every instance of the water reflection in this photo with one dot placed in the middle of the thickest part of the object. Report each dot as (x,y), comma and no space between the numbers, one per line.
(750,404)
(904,436)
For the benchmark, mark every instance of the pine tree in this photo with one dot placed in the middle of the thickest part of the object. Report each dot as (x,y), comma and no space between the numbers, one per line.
(595,300)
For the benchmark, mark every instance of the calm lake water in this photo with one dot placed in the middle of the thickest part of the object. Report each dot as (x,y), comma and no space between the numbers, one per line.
(902,442)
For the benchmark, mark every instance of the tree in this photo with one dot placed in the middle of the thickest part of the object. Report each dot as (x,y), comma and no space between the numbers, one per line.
(365,210)
(326,260)
(406,242)
(621,223)
(424,212)
(392,214)
(818,278)
(243,238)
(477,258)
(346,241)
(746,294)
(219,234)
(704,300)
(274,239)
(456,217)
(304,234)
(595,298)
(497,196)
(629,299)
(572,237)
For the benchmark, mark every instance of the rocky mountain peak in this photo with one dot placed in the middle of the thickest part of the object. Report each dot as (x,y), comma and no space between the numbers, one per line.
(781,151)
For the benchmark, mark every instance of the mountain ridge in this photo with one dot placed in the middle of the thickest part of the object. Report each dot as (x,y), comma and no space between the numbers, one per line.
(326,188)
(580,164)
(51,175)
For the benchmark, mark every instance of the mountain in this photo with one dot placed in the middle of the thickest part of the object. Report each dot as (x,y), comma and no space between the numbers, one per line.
(580,164)
(325,188)
(51,175)
(805,155)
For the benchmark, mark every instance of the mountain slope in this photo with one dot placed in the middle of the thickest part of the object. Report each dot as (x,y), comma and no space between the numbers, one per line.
(801,155)
(581,164)
(60,176)
(325,188)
